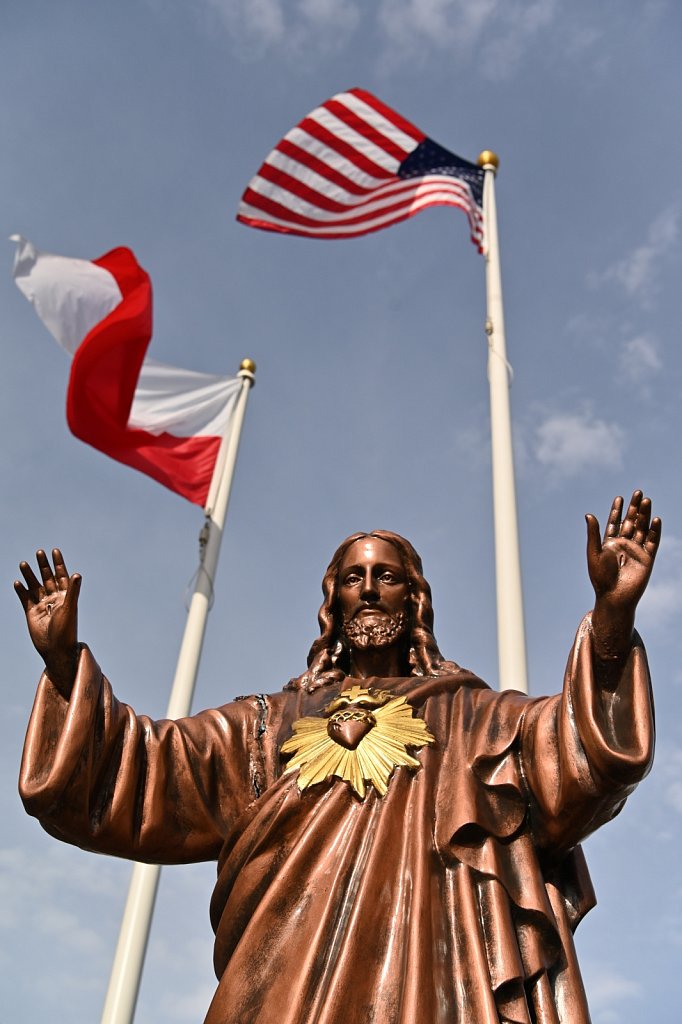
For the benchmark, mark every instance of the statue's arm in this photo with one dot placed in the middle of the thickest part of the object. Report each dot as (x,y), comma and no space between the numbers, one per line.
(100,777)
(585,751)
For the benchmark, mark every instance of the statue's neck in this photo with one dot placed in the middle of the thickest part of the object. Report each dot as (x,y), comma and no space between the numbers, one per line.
(390,662)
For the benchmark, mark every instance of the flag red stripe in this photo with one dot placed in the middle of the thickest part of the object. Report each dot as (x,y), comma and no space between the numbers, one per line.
(367,130)
(285,181)
(104,375)
(285,229)
(391,115)
(107,363)
(183,464)
(351,213)
(313,163)
(297,188)
(275,209)
(343,148)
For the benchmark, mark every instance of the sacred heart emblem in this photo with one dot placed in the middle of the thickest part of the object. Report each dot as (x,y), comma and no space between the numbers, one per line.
(331,744)
(349,727)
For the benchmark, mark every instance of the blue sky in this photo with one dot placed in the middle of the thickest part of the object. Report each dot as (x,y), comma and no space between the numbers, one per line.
(140,123)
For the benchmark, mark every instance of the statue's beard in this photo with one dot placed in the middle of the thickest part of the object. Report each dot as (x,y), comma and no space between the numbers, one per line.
(380,629)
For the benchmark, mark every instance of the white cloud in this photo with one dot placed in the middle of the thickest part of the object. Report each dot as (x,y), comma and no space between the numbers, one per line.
(637,271)
(498,30)
(494,33)
(639,362)
(502,54)
(595,330)
(640,357)
(257,23)
(441,23)
(568,443)
(304,27)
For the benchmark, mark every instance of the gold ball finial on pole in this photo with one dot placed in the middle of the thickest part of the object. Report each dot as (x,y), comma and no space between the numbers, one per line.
(247,371)
(488,159)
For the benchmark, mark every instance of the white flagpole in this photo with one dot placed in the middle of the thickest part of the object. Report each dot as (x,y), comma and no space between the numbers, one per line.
(126,972)
(511,637)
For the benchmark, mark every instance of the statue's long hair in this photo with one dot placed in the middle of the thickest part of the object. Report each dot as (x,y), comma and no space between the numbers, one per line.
(329,657)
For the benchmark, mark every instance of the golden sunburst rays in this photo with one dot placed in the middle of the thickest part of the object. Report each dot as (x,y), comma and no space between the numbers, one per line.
(361,737)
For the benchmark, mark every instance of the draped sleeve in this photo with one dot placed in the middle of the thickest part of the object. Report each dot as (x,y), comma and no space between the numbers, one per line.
(583,753)
(555,768)
(100,777)
(522,782)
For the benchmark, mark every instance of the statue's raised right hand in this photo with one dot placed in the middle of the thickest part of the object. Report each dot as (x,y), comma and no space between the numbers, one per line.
(51,609)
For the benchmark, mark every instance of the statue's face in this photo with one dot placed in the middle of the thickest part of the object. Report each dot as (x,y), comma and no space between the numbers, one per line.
(373,592)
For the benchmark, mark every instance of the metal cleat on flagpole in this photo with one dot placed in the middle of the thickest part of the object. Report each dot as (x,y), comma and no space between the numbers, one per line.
(126,972)
(511,636)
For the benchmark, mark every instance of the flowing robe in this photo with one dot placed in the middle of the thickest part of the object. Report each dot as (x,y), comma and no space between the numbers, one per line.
(450,900)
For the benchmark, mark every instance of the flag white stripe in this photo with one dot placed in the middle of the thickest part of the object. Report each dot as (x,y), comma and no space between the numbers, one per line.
(312,179)
(328,231)
(395,191)
(410,205)
(183,403)
(332,158)
(377,121)
(69,295)
(358,142)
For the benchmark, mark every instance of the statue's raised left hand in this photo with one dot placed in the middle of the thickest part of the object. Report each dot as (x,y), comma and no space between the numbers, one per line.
(51,608)
(619,568)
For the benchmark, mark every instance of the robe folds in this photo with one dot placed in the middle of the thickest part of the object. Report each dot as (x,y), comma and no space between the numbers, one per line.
(450,900)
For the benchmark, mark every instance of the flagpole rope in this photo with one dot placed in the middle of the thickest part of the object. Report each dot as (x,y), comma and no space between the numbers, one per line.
(498,355)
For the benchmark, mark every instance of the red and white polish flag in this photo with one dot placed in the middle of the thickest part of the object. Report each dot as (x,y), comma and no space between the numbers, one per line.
(164,421)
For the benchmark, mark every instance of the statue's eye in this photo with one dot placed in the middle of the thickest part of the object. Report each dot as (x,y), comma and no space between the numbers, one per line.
(351,579)
(388,577)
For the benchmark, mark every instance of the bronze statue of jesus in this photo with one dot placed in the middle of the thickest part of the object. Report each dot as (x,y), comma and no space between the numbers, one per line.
(395,841)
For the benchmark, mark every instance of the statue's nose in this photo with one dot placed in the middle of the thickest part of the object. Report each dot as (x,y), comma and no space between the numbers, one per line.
(369,589)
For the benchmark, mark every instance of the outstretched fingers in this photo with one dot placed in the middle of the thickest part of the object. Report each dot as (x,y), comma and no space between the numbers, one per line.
(51,582)
(73,590)
(593,538)
(653,537)
(643,521)
(613,524)
(23,594)
(629,524)
(46,572)
(35,588)
(60,573)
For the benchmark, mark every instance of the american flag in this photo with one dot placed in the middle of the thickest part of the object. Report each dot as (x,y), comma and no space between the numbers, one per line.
(353,166)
